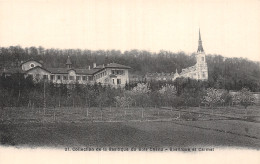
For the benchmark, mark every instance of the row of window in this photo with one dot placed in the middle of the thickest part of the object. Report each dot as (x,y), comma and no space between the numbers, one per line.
(66,77)
(118,72)
(102,74)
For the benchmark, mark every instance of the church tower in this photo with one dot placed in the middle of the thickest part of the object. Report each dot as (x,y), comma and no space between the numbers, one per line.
(201,65)
(68,63)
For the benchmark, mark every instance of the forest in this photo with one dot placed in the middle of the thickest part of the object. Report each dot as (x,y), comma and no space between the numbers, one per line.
(224,73)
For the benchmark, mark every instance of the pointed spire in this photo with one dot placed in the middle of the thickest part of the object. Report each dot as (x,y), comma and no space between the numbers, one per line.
(200,48)
(199,35)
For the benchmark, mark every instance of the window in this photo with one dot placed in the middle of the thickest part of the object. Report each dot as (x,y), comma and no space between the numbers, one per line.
(203,75)
(84,78)
(118,81)
(71,77)
(65,77)
(202,58)
(118,72)
(58,77)
(32,65)
(113,81)
(90,78)
(52,77)
(77,78)
(45,77)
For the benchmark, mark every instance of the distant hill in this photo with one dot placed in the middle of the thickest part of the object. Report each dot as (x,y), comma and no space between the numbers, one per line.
(227,73)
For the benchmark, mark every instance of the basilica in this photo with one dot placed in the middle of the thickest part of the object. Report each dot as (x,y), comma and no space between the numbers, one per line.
(198,72)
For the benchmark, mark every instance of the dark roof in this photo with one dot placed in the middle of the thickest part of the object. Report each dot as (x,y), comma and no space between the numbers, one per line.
(78,71)
(86,71)
(30,60)
(112,65)
(58,70)
(38,67)
(115,65)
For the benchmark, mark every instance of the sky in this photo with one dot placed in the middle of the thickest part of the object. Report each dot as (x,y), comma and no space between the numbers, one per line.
(230,28)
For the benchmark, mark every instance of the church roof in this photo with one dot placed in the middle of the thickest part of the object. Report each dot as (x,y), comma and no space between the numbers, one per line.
(200,47)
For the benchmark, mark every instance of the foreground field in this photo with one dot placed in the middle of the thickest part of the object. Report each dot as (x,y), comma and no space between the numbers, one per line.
(115,127)
(126,134)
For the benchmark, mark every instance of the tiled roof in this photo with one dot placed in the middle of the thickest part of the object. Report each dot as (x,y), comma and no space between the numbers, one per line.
(58,70)
(112,65)
(85,71)
(30,60)
(78,71)
(38,67)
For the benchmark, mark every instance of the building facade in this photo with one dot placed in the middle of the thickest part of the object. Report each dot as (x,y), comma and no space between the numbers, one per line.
(199,71)
(111,74)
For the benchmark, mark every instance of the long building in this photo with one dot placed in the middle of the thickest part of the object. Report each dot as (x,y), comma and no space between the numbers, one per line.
(199,71)
(111,74)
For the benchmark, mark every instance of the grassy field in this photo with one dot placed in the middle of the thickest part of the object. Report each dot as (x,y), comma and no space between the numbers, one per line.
(129,128)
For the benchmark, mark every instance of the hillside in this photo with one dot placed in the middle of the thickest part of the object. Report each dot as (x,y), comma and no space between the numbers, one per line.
(228,73)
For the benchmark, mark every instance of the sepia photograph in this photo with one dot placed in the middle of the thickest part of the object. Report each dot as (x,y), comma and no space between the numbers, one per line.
(138,76)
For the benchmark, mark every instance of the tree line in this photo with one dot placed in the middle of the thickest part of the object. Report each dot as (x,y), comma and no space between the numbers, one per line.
(224,73)
(20,91)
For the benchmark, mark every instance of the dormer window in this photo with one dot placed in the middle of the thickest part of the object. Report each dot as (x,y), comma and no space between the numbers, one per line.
(32,65)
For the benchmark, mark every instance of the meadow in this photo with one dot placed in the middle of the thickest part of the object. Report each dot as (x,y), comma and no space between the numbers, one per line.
(130,127)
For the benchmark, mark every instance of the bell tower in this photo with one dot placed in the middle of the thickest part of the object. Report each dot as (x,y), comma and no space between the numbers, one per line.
(68,63)
(201,65)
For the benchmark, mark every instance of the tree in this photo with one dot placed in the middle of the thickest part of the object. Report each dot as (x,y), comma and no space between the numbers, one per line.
(123,101)
(168,93)
(212,98)
(245,98)
(140,95)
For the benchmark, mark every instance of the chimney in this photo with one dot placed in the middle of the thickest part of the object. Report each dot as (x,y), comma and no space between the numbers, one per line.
(94,65)
(103,65)
(89,67)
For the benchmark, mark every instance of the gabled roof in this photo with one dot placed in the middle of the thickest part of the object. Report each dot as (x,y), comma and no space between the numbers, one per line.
(38,67)
(29,61)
